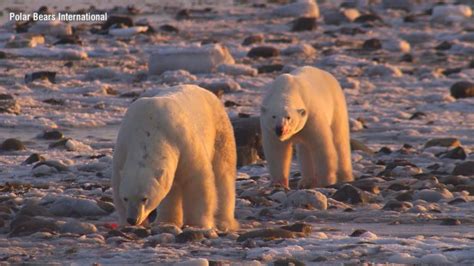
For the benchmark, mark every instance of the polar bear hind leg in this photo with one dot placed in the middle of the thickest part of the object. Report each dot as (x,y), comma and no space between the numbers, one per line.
(341,140)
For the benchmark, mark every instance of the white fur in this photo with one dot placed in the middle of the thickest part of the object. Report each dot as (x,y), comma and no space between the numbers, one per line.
(178,151)
(309,105)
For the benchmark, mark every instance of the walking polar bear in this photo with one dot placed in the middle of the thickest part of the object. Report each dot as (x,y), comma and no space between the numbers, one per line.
(306,108)
(176,151)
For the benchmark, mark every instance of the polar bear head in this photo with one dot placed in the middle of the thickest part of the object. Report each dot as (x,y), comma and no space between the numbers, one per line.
(283,111)
(143,188)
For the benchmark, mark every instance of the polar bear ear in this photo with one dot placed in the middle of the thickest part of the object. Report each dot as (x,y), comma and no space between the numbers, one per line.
(302,112)
(263,109)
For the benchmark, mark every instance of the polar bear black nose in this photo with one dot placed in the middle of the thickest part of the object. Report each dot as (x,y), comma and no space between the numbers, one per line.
(279,130)
(132,221)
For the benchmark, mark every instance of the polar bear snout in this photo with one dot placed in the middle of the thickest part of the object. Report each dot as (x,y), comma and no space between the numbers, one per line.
(279,131)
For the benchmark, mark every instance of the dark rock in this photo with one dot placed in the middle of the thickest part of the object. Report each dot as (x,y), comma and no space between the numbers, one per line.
(33,158)
(303,228)
(26,225)
(395,205)
(450,221)
(410,18)
(454,180)
(106,206)
(417,115)
(288,262)
(405,196)
(189,236)
(248,137)
(8,104)
(51,163)
(462,89)
(398,187)
(117,20)
(169,28)
(443,142)
(457,201)
(407,58)
(72,39)
(183,14)
(358,232)
(33,210)
(304,24)
(368,18)
(69,64)
(263,51)
(270,68)
(221,87)
(457,153)
(3,55)
(130,94)
(468,188)
(367,185)
(12,144)
(465,168)
(52,134)
(138,231)
(253,39)
(350,194)
(385,150)
(53,101)
(359,146)
(450,71)
(114,233)
(444,46)
(230,104)
(372,44)
(49,75)
(269,233)
(249,243)
(59,144)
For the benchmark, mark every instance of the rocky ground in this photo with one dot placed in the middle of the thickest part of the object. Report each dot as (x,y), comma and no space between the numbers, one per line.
(407,71)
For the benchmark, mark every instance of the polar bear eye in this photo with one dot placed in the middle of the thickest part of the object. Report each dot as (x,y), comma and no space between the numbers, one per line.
(274,117)
(144,199)
(125,199)
(288,117)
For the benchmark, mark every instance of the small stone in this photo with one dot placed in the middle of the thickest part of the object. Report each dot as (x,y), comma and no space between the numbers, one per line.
(52,163)
(350,194)
(384,70)
(465,168)
(457,201)
(307,198)
(193,262)
(106,206)
(372,44)
(405,196)
(70,39)
(12,144)
(9,105)
(468,188)
(367,184)
(189,236)
(457,153)
(303,228)
(450,221)
(33,158)
(288,262)
(79,228)
(43,75)
(227,86)
(52,134)
(304,24)
(263,51)
(53,101)
(443,142)
(253,39)
(385,150)
(462,89)
(433,195)
(183,14)
(399,206)
(368,18)
(166,228)
(117,20)
(417,115)
(398,187)
(26,225)
(270,68)
(269,233)
(445,45)
(358,232)
(169,28)
(357,145)
(33,210)
(138,231)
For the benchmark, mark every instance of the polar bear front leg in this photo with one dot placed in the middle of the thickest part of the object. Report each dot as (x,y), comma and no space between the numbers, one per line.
(305,160)
(323,154)
(278,155)
(199,198)
(171,208)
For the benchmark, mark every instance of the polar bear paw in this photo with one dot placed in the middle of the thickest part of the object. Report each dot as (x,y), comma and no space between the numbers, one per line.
(228,225)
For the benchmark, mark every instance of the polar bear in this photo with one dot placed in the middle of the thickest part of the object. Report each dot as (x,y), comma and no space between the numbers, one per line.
(176,151)
(307,108)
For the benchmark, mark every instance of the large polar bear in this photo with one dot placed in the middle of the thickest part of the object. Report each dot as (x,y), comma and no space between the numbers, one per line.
(176,151)
(307,108)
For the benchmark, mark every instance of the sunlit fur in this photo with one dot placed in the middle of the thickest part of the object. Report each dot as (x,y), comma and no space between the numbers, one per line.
(176,151)
(310,108)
